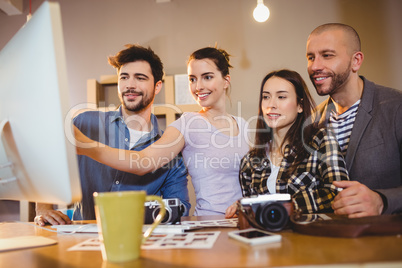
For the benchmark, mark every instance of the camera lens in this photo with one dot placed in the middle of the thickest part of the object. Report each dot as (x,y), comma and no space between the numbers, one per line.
(167,217)
(272,216)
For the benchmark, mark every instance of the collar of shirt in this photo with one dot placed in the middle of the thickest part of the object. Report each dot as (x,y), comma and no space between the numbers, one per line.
(155,131)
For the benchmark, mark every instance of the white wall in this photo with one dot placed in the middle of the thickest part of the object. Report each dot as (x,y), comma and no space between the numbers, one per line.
(95,29)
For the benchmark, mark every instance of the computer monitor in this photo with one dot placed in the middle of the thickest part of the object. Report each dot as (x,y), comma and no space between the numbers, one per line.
(37,154)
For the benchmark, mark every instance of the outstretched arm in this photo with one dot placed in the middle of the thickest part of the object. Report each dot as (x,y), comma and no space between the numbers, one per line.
(142,162)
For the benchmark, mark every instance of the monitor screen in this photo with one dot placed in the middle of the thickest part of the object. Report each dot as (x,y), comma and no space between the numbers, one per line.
(38,162)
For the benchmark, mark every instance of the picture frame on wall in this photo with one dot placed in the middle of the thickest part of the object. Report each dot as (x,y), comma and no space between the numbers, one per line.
(181,90)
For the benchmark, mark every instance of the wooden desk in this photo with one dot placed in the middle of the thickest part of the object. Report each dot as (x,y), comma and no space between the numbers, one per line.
(294,250)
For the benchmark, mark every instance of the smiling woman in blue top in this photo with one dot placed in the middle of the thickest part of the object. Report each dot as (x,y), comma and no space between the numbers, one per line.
(212,141)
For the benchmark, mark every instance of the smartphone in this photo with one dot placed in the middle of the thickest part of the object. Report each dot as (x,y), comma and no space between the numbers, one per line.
(254,236)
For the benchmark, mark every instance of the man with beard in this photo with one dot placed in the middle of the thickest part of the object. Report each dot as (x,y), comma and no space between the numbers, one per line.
(133,127)
(366,119)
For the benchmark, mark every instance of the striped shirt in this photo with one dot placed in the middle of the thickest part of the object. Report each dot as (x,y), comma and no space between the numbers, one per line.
(342,125)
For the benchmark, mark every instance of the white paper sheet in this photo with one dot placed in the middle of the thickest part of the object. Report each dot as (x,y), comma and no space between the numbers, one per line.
(198,240)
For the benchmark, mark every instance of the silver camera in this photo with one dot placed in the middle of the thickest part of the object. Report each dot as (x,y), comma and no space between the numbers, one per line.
(270,211)
(174,210)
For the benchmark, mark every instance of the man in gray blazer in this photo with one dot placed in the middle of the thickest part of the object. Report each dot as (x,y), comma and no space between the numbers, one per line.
(366,119)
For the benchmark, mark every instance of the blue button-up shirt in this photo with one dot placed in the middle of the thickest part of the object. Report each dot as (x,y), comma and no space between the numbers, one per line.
(109,128)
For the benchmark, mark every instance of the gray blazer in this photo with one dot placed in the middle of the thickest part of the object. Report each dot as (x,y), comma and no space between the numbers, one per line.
(374,154)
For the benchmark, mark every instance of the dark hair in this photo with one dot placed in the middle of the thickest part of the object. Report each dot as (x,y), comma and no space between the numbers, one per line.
(219,56)
(297,131)
(138,53)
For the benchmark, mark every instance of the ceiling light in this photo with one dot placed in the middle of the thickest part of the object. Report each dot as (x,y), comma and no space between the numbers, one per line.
(261,12)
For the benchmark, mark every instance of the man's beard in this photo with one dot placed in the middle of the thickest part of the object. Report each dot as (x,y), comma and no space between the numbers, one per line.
(338,80)
(132,106)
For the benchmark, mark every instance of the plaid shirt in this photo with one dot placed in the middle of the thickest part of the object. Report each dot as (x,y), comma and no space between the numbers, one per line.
(311,183)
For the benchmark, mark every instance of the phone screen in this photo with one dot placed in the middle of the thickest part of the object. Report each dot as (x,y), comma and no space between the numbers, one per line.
(255,237)
(253,234)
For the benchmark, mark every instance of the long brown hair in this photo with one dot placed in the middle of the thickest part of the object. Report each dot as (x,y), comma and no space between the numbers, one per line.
(298,133)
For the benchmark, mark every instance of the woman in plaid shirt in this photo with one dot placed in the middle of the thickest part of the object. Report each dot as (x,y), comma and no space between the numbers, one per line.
(291,155)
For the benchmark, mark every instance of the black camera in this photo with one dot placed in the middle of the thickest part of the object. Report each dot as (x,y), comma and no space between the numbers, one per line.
(174,210)
(270,211)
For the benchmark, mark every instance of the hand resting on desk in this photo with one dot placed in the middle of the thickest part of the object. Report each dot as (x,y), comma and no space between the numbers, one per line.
(231,211)
(356,200)
(46,214)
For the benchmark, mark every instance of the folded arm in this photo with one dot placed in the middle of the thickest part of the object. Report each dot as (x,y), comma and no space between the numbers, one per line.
(331,167)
